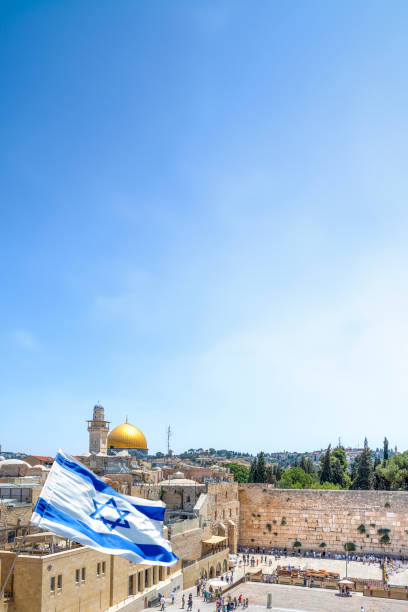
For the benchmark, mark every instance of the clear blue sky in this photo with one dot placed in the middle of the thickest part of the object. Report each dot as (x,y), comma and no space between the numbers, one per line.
(204,222)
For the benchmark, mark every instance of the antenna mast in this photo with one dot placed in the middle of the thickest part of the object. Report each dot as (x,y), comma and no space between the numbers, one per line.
(169,434)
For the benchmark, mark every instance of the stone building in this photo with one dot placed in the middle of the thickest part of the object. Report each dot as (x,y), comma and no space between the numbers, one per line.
(220,508)
(36,460)
(180,493)
(98,430)
(78,578)
(213,473)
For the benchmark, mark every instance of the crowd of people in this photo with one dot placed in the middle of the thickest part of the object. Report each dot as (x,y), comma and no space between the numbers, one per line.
(266,556)
(214,594)
(210,594)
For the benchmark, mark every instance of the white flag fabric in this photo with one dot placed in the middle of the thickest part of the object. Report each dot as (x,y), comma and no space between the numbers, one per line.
(76,504)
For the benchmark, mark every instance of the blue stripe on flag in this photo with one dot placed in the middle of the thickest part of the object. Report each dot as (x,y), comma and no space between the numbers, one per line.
(155,513)
(148,552)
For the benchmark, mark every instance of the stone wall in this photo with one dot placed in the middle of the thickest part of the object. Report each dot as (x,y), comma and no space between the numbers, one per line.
(181,496)
(278,517)
(146,491)
(187,545)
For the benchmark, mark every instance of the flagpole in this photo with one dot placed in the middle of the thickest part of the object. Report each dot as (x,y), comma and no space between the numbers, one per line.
(13,563)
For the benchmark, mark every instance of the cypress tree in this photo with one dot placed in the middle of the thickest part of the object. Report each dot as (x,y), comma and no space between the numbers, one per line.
(277,472)
(365,475)
(270,478)
(354,468)
(386,451)
(337,473)
(260,475)
(326,475)
(253,470)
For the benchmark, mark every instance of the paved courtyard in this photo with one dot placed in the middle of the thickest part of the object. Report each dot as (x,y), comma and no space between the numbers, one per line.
(300,599)
(356,569)
(297,599)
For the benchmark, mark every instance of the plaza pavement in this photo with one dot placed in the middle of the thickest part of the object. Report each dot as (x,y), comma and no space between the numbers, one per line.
(304,599)
(296,599)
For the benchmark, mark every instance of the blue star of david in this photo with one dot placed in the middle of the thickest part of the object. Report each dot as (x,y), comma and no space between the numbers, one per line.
(119,522)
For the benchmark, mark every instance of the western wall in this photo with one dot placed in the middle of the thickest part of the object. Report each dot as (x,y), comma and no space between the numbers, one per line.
(323,520)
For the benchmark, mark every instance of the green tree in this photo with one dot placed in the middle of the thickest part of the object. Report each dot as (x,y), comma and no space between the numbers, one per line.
(340,454)
(393,474)
(386,450)
(326,474)
(270,478)
(365,476)
(310,468)
(296,478)
(277,471)
(240,472)
(337,473)
(253,470)
(354,467)
(328,485)
(260,474)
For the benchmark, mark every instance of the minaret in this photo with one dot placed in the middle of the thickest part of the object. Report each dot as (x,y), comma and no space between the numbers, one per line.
(98,430)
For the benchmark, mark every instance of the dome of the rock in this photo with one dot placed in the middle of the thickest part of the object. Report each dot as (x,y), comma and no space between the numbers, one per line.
(126,436)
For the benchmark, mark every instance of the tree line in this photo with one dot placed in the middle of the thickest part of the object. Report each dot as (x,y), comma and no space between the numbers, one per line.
(365,472)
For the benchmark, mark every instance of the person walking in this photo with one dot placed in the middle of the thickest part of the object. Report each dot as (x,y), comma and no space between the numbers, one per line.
(173,596)
(183,601)
(162,602)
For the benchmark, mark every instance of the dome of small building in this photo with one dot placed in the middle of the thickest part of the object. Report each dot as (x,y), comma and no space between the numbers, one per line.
(127,436)
(174,482)
(15,462)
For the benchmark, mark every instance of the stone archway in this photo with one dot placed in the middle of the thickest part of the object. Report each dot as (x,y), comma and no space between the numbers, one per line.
(212,572)
(218,572)
(224,566)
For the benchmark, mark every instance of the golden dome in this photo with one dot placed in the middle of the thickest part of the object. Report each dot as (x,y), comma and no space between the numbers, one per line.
(126,436)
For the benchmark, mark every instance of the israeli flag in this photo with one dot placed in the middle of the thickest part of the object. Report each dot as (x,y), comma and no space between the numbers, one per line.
(75,504)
